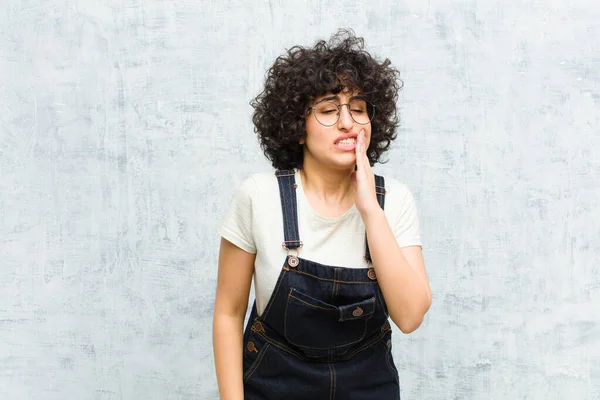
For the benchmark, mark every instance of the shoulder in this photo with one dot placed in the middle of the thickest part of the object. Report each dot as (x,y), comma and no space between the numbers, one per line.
(256,183)
(251,204)
(400,202)
(258,191)
(264,180)
(262,187)
(397,192)
(402,213)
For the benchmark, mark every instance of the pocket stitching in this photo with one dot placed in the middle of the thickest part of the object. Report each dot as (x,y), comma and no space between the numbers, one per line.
(311,301)
(369,313)
(312,305)
(319,348)
(253,367)
(394,371)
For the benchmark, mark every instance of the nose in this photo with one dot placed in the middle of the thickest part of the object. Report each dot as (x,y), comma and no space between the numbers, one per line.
(345,122)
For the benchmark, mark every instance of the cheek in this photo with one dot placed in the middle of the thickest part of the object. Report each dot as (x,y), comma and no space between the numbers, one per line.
(314,134)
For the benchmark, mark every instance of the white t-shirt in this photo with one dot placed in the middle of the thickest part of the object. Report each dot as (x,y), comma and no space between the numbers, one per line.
(254,223)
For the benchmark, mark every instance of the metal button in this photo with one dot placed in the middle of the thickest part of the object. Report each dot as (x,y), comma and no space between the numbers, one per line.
(258,327)
(386,326)
(251,347)
(371,274)
(293,261)
(357,312)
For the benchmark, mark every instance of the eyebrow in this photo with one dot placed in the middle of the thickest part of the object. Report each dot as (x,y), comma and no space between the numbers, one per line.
(335,97)
(328,98)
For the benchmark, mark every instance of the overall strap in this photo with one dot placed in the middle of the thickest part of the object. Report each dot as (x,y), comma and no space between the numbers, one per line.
(287,195)
(380,191)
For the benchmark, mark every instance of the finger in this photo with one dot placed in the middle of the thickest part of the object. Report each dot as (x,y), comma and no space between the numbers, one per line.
(361,144)
(357,164)
(358,143)
(363,141)
(363,151)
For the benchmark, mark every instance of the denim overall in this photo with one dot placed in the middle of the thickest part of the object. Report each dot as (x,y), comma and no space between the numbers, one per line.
(324,333)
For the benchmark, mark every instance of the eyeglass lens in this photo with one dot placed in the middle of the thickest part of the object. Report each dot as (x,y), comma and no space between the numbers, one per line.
(328,112)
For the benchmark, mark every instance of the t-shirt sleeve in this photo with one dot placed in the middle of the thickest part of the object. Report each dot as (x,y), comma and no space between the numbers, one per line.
(237,224)
(407,228)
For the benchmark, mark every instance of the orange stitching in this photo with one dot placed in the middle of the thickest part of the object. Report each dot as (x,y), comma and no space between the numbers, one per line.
(311,305)
(332,347)
(373,341)
(281,346)
(367,345)
(388,361)
(274,294)
(334,280)
(253,368)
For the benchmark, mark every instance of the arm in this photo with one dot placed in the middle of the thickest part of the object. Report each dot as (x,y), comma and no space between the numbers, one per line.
(233,288)
(400,273)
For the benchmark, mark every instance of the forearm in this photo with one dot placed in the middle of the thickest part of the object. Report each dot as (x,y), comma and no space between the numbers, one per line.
(228,353)
(406,293)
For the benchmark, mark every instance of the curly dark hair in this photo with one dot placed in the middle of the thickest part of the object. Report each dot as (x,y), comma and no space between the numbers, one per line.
(301,75)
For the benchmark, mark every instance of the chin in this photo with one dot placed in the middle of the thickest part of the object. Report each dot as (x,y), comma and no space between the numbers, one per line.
(345,164)
(340,162)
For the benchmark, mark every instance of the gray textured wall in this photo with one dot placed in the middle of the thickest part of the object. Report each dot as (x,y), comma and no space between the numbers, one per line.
(125,127)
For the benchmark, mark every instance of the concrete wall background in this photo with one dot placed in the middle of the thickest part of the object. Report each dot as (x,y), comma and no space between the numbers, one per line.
(125,128)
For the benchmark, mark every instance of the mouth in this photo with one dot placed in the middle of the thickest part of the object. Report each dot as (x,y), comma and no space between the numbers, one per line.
(346,142)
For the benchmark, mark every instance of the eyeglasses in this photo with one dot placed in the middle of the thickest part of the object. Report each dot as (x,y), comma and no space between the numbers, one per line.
(327,112)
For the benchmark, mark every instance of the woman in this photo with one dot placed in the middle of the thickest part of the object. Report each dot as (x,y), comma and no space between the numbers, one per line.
(334,249)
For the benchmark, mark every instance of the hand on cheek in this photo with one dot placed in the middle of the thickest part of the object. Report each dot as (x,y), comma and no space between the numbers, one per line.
(363,178)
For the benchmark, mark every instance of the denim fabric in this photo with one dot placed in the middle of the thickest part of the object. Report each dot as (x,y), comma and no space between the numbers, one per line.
(324,333)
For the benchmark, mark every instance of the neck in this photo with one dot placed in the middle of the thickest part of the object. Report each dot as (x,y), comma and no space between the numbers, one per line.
(326,184)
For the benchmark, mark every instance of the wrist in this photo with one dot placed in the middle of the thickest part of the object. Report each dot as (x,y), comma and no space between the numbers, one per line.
(373,215)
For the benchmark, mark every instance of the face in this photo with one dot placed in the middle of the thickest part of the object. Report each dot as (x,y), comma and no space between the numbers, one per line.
(334,146)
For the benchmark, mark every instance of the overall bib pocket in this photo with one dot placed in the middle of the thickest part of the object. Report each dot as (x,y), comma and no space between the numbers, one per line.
(315,324)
